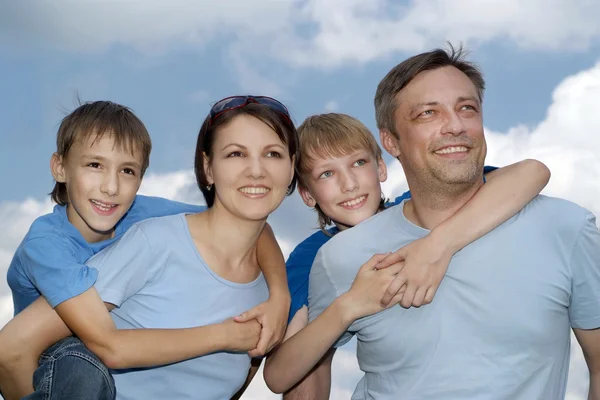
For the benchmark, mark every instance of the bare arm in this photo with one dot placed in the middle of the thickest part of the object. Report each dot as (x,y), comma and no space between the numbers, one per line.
(298,355)
(589,340)
(272,314)
(426,260)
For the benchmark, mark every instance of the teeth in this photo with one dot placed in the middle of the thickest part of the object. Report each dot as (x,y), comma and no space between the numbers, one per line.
(454,149)
(254,190)
(353,202)
(103,206)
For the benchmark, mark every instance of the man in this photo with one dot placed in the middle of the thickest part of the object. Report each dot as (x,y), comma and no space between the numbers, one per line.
(499,326)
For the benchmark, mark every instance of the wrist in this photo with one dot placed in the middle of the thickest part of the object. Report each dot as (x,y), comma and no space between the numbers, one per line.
(280,296)
(443,242)
(345,309)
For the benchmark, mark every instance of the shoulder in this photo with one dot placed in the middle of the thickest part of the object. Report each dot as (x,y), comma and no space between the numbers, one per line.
(145,207)
(159,230)
(557,212)
(311,244)
(50,225)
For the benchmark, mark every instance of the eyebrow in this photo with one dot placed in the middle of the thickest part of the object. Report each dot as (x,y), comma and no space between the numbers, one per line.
(130,163)
(435,103)
(245,148)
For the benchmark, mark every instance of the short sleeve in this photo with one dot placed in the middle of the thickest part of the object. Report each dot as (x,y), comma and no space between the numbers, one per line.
(51,266)
(125,267)
(584,311)
(298,268)
(322,292)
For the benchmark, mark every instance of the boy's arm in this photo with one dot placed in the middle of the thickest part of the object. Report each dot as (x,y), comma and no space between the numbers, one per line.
(298,355)
(272,314)
(426,260)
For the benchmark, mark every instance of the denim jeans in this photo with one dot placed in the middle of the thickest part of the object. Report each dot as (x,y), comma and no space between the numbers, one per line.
(68,370)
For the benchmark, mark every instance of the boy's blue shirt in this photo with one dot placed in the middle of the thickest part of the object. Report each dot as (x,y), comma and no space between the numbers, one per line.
(50,261)
(302,257)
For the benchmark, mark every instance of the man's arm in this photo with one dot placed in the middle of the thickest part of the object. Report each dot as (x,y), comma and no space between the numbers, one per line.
(426,260)
(589,340)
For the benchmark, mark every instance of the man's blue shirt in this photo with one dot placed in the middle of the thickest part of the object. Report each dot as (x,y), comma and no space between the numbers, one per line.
(50,261)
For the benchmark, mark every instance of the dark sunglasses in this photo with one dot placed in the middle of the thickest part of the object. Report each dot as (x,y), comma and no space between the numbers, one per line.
(233,102)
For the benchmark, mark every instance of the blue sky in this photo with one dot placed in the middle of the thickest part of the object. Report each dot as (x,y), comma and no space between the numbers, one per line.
(171,88)
(169,61)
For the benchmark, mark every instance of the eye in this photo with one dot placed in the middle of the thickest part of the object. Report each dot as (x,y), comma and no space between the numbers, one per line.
(359,163)
(468,107)
(235,154)
(275,154)
(426,113)
(94,165)
(325,174)
(129,171)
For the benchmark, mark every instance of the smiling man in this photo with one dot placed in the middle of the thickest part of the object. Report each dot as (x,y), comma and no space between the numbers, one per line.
(499,327)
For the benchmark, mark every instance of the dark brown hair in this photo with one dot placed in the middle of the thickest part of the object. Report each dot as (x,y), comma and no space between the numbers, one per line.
(100,118)
(406,71)
(204,148)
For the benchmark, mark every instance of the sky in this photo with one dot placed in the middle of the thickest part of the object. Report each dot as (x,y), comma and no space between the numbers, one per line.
(169,61)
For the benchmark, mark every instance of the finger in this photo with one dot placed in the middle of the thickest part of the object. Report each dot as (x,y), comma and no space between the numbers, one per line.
(253,313)
(263,344)
(395,300)
(395,268)
(392,258)
(409,295)
(370,264)
(419,297)
(430,294)
(393,289)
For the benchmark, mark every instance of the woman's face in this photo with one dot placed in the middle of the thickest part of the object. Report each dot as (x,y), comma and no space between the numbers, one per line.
(250,168)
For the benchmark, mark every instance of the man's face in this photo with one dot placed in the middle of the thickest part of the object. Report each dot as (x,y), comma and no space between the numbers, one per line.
(439,128)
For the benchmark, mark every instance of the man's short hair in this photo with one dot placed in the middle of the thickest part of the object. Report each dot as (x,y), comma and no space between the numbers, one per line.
(406,71)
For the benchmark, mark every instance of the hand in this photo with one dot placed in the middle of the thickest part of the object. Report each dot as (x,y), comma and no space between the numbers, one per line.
(241,336)
(273,316)
(425,263)
(364,297)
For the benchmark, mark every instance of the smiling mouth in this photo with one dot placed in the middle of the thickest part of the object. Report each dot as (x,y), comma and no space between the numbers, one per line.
(254,190)
(452,150)
(354,202)
(103,206)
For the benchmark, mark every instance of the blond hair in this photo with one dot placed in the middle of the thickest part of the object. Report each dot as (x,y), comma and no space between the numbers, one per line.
(331,135)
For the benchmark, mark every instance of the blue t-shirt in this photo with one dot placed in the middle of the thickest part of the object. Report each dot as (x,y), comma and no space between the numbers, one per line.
(301,259)
(499,327)
(50,261)
(157,279)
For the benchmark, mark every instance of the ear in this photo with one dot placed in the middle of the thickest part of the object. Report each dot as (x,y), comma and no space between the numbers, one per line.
(57,168)
(381,169)
(306,196)
(389,141)
(208,169)
(293,169)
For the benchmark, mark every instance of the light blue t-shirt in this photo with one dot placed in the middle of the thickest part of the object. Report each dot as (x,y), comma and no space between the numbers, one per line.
(50,261)
(499,326)
(156,277)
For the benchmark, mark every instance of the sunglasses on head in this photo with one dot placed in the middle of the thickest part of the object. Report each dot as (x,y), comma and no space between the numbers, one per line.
(233,102)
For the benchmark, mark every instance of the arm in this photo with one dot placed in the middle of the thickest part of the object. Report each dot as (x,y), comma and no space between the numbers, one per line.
(272,314)
(426,260)
(589,340)
(297,356)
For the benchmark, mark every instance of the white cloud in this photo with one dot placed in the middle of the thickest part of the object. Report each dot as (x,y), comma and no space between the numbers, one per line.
(567,141)
(309,33)
(331,106)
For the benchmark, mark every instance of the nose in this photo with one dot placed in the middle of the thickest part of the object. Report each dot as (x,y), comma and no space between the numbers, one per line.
(110,184)
(256,168)
(349,182)
(453,124)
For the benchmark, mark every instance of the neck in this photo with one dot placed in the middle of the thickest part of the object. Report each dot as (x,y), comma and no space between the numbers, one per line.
(429,207)
(230,239)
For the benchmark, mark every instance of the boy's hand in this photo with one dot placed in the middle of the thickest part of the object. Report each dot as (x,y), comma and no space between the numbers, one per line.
(425,263)
(241,336)
(364,297)
(273,316)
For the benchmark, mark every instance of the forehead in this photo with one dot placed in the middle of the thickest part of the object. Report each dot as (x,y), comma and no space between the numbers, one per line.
(441,85)
(248,131)
(107,146)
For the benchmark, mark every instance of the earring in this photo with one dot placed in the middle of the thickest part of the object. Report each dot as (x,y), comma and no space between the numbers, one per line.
(209,187)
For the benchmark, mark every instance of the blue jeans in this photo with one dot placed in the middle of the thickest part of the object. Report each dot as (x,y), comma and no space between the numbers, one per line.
(68,370)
